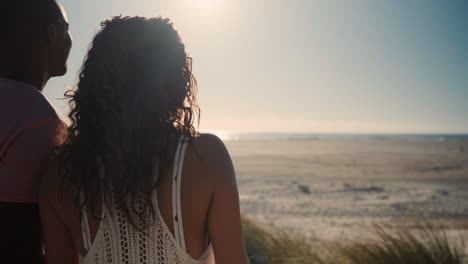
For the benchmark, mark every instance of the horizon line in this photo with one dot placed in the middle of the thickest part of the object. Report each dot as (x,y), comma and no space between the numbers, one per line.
(214,131)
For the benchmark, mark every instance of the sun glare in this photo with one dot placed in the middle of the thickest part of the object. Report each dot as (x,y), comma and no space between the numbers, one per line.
(204,4)
(204,13)
(206,7)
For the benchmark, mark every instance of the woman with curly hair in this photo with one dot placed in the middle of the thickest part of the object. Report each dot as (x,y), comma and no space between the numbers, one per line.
(135,182)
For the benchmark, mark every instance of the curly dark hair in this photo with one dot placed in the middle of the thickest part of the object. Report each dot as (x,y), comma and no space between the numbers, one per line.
(136,90)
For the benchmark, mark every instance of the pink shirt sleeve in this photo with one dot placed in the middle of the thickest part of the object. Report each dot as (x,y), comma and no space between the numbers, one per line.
(23,161)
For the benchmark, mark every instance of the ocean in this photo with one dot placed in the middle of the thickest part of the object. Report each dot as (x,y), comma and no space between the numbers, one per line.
(340,185)
(234,136)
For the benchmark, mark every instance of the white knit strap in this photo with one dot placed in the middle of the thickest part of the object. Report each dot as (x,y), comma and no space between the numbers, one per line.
(156,170)
(174,191)
(176,185)
(179,200)
(85,226)
(85,229)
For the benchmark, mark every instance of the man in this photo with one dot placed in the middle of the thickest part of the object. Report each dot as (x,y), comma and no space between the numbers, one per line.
(34,47)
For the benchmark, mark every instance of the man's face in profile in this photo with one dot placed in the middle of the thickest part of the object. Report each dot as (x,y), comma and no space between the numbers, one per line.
(60,49)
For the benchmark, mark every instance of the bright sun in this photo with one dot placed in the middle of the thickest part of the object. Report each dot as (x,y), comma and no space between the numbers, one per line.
(204,4)
(203,12)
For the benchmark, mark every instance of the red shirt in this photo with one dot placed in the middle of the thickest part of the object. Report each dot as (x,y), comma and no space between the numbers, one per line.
(29,130)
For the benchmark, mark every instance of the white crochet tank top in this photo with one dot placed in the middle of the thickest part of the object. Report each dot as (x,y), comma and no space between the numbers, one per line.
(118,242)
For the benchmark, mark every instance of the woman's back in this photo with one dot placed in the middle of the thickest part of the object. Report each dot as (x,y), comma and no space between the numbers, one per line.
(118,241)
(205,191)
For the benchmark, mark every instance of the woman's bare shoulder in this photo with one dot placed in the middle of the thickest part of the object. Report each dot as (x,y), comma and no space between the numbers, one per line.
(208,142)
(214,157)
(209,148)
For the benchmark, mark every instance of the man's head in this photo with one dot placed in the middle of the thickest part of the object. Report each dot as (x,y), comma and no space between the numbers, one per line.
(35,35)
(58,39)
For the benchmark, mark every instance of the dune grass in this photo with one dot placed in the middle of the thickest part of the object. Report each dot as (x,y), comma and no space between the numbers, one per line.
(276,247)
(428,245)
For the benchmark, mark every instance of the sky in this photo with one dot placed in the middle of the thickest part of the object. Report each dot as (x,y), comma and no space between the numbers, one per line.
(307,66)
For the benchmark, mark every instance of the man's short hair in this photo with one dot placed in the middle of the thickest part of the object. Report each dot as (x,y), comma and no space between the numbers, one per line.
(21,18)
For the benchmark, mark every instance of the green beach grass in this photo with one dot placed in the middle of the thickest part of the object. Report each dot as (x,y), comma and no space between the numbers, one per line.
(389,245)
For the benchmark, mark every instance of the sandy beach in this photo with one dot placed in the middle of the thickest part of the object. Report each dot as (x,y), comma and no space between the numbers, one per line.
(335,188)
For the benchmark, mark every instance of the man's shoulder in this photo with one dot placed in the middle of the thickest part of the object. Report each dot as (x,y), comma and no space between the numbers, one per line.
(22,108)
(39,113)
(36,112)
(40,106)
(24,101)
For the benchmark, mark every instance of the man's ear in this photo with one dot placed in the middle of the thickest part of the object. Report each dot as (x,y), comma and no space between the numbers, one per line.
(51,35)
